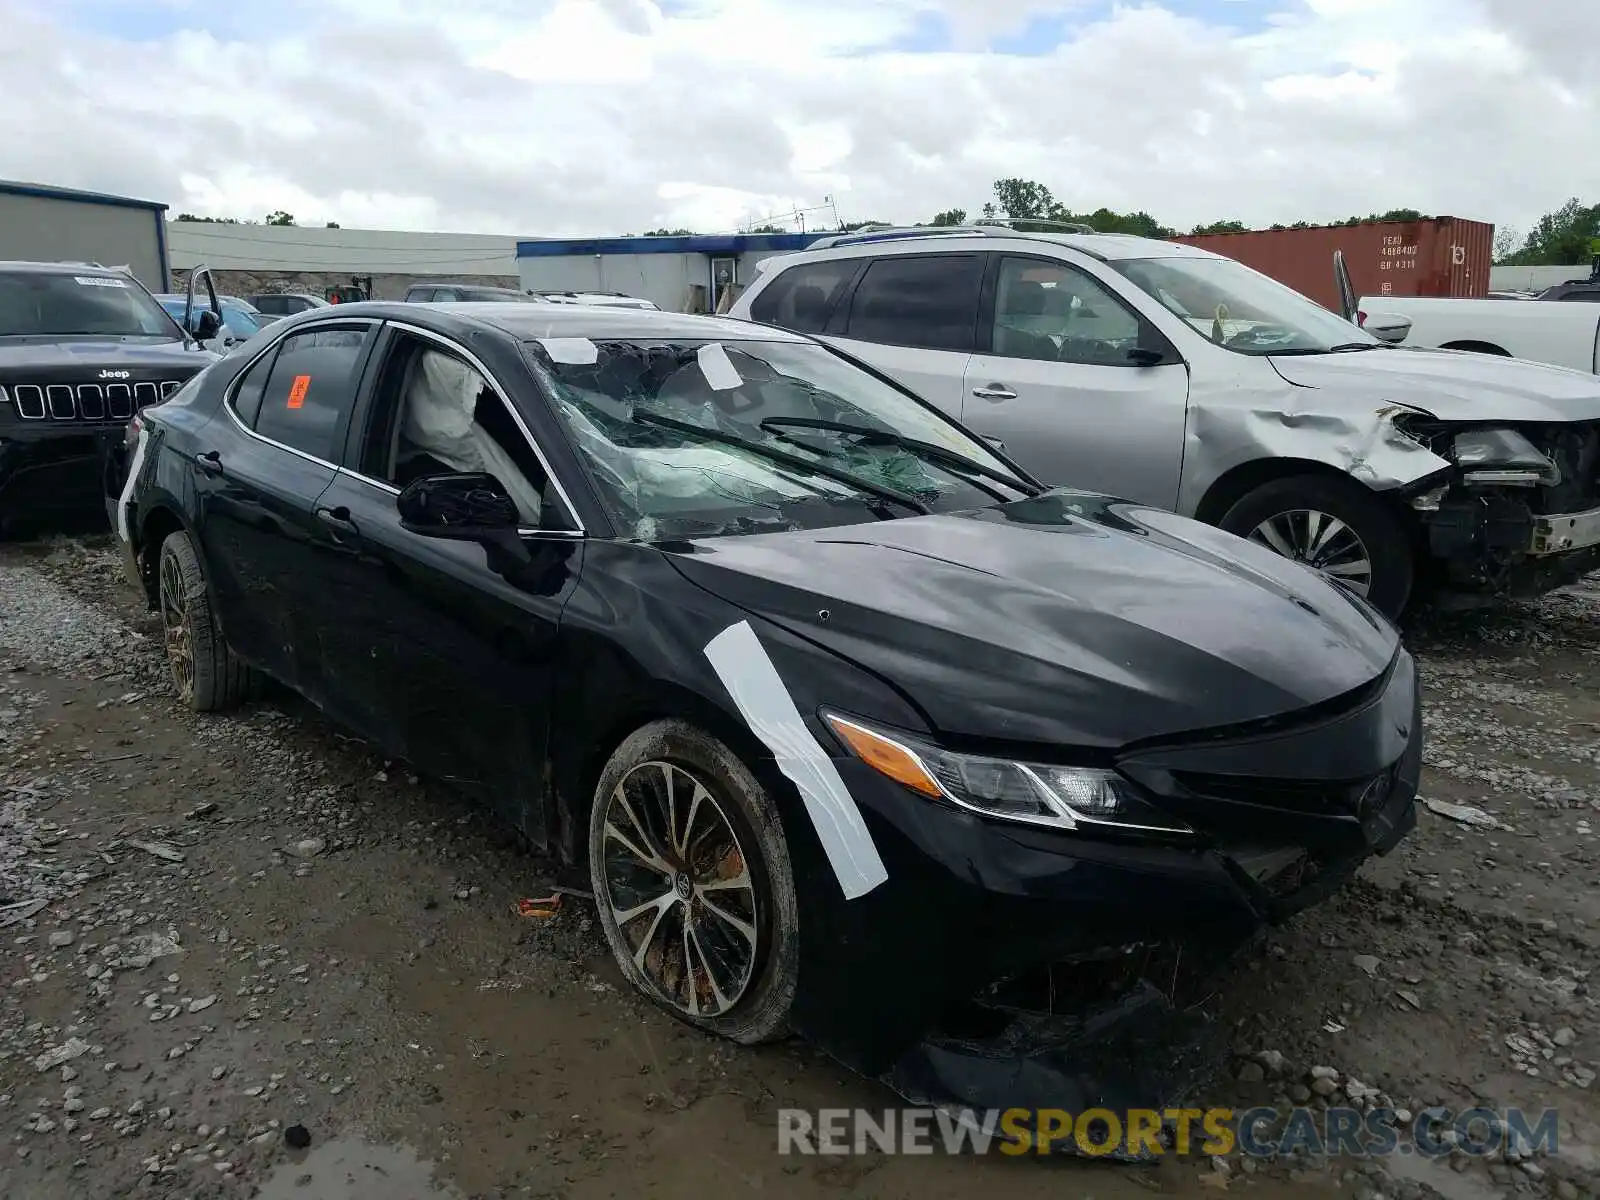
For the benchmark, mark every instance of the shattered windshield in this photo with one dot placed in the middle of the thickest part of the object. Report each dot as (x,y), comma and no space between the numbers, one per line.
(34,303)
(635,407)
(1243,310)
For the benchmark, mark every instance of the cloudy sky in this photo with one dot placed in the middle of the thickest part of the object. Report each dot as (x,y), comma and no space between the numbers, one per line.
(565,117)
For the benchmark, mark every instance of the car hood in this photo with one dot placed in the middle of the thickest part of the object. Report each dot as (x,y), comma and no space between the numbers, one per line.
(1453,385)
(1063,619)
(34,353)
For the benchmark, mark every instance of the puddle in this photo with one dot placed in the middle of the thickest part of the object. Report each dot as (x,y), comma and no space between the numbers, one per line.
(350,1169)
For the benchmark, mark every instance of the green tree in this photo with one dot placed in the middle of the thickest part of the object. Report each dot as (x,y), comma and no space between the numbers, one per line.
(207,220)
(280,218)
(331,225)
(1560,238)
(1218,227)
(950,216)
(766,229)
(664,232)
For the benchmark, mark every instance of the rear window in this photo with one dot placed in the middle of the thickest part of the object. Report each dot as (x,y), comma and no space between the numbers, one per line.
(803,297)
(930,303)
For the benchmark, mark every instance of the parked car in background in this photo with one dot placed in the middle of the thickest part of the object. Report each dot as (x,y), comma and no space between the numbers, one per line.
(602,299)
(1583,291)
(239,320)
(450,293)
(1179,378)
(843,719)
(286,304)
(1559,334)
(81,350)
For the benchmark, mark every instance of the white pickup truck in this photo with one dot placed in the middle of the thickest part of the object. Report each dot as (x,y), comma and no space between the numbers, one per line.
(1545,331)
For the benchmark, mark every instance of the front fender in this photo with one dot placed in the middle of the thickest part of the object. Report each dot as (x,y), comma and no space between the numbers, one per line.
(1358,437)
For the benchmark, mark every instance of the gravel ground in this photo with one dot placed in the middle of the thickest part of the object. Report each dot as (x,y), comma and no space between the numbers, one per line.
(242,955)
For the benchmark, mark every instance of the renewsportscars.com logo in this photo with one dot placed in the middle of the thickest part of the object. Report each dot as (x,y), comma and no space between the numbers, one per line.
(1257,1132)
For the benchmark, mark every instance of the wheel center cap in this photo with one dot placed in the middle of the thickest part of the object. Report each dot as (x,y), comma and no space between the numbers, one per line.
(681,885)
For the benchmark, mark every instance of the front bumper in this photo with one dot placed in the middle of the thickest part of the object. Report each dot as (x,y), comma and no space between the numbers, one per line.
(917,982)
(1561,533)
(49,473)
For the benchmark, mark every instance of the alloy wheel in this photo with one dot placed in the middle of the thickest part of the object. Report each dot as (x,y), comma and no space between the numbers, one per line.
(1321,541)
(678,885)
(175,623)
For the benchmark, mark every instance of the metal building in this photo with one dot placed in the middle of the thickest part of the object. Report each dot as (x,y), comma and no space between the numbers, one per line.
(680,274)
(42,223)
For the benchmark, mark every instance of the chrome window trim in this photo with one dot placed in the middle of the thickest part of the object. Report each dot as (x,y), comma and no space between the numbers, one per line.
(232,393)
(522,426)
(455,347)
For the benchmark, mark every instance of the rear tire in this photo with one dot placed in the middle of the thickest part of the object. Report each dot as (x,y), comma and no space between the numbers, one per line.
(1335,526)
(208,676)
(698,906)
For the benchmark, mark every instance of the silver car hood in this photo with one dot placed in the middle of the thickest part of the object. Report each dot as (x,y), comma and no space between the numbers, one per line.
(1453,385)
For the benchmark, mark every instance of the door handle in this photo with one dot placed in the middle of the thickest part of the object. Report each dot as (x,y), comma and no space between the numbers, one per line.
(995,391)
(338,518)
(210,462)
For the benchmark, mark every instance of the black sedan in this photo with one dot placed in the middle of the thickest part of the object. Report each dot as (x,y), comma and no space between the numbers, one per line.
(850,726)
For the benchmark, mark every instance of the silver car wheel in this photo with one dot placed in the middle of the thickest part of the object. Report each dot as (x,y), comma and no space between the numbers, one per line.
(1321,541)
(678,885)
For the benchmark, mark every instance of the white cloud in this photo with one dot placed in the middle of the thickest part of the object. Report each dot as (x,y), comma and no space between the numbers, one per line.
(564,117)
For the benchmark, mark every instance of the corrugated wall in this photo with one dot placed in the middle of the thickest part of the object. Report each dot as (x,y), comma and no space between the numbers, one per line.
(41,228)
(1442,256)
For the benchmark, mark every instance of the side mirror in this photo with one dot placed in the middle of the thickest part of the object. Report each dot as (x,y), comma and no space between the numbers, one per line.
(466,506)
(207,325)
(1388,327)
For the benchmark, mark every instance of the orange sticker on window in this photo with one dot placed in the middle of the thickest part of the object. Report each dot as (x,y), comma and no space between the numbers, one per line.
(298,390)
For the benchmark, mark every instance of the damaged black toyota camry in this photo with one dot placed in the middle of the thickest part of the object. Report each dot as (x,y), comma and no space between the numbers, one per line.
(850,727)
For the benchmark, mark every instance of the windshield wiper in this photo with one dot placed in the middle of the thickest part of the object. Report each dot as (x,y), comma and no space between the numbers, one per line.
(799,463)
(887,437)
(1341,348)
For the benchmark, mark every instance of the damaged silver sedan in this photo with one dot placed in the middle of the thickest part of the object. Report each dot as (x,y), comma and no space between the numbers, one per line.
(1175,377)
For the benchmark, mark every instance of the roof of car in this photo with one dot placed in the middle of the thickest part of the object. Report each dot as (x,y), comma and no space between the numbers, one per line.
(538,319)
(1104,246)
(60,268)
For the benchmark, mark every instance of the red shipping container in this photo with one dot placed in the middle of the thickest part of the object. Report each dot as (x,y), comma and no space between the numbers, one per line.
(1437,256)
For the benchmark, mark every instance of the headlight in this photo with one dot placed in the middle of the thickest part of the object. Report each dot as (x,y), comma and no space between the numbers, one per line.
(1502,456)
(1033,793)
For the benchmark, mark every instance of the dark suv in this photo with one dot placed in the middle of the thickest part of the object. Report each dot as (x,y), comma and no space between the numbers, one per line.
(82,348)
(450,293)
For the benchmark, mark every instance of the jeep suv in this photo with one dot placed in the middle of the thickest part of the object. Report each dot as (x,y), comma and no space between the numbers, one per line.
(1184,380)
(82,349)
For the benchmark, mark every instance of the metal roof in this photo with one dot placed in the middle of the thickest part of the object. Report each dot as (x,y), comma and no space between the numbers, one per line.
(44,191)
(720,244)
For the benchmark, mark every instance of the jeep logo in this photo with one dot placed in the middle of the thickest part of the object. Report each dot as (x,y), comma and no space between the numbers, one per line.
(115,374)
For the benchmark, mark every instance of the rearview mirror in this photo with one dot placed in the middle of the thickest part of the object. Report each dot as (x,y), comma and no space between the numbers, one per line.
(1388,327)
(467,506)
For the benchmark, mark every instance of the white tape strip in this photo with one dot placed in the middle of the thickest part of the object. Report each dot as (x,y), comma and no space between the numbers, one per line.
(745,670)
(134,468)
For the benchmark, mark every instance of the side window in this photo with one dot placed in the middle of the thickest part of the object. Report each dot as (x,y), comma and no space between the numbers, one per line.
(1057,313)
(433,414)
(931,302)
(1592,296)
(420,295)
(445,295)
(311,390)
(802,298)
(252,384)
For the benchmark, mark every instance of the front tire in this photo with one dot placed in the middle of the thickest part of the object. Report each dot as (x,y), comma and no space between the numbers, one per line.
(207,675)
(1337,527)
(693,883)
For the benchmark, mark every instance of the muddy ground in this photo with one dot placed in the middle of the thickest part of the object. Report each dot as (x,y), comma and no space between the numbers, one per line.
(251,923)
